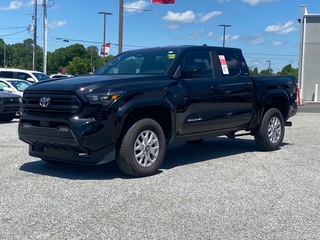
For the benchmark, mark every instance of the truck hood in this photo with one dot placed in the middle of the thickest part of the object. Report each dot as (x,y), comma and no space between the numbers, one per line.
(93,82)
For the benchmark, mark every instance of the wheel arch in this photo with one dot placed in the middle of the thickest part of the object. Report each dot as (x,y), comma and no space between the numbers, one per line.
(277,99)
(160,111)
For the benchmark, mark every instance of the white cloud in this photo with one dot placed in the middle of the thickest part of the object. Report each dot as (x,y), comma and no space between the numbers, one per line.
(136,6)
(206,17)
(56,24)
(209,34)
(186,17)
(257,40)
(276,43)
(256,2)
(232,37)
(14,5)
(281,29)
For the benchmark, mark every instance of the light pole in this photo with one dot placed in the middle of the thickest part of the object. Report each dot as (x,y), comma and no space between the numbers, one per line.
(104,31)
(224,32)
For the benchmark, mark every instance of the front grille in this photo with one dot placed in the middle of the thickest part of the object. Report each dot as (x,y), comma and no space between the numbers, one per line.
(11,109)
(10,100)
(60,103)
(9,105)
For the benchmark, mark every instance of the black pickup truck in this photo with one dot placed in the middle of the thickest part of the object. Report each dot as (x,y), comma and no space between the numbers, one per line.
(142,100)
(10,106)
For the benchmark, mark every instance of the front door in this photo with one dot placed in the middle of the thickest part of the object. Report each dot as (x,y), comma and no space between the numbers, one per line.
(199,103)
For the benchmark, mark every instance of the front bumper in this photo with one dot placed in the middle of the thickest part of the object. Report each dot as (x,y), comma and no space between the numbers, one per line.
(84,141)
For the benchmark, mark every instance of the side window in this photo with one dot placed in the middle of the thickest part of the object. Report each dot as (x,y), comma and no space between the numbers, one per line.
(6,74)
(201,59)
(23,76)
(228,63)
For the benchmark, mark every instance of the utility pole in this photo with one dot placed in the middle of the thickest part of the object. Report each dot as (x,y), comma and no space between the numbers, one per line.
(120,39)
(45,36)
(224,32)
(4,55)
(35,35)
(104,32)
(268,61)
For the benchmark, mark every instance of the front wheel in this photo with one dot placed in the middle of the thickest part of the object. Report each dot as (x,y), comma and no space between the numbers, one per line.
(142,148)
(269,135)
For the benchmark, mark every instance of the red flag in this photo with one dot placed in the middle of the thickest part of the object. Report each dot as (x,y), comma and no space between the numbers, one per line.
(162,1)
(105,49)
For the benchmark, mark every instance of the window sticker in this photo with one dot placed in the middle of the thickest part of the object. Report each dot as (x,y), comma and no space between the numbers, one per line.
(223,64)
(171,55)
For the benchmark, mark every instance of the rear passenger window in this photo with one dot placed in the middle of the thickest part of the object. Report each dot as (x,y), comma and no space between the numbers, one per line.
(6,74)
(228,63)
(23,76)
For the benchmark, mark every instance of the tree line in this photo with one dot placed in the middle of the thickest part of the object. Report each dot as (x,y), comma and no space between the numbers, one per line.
(76,59)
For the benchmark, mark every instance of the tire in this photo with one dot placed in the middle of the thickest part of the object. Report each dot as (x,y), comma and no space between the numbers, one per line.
(142,148)
(269,135)
(7,117)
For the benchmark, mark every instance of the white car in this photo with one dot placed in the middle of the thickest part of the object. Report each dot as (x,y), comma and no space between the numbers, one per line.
(60,75)
(30,76)
(16,86)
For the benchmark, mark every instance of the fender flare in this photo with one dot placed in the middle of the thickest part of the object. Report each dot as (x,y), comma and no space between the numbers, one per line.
(124,111)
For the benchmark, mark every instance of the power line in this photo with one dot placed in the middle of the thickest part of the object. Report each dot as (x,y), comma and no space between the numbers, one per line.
(9,34)
(10,28)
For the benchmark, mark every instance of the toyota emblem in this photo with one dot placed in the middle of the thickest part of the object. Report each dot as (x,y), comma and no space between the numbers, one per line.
(44,102)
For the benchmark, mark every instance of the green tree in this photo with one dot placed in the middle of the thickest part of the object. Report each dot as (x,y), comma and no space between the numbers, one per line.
(266,72)
(78,66)
(253,71)
(289,70)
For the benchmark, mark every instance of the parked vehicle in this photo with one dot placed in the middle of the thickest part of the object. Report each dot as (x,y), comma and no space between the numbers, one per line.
(60,75)
(142,100)
(10,105)
(15,86)
(31,76)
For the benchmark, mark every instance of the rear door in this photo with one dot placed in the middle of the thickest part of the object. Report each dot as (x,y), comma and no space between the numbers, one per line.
(238,89)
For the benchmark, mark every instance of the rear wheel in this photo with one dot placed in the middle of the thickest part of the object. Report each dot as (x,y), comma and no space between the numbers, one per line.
(142,148)
(270,134)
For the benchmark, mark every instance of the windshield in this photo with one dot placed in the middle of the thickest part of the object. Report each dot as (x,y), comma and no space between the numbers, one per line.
(154,62)
(40,76)
(19,85)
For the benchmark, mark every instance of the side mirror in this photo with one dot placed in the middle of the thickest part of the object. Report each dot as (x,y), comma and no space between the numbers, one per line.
(30,80)
(191,72)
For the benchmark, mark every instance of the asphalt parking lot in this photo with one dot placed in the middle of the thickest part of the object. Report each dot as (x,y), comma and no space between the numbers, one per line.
(220,189)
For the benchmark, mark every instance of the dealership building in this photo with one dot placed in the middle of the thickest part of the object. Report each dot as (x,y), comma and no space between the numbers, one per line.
(309,56)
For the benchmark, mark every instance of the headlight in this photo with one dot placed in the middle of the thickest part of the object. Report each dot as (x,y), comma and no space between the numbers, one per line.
(105,99)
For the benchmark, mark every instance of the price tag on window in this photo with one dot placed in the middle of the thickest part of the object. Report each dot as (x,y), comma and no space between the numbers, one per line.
(223,64)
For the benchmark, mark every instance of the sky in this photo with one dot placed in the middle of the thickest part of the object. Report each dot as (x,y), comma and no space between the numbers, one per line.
(267,31)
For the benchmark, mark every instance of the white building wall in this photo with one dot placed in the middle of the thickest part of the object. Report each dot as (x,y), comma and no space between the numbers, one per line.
(309,63)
